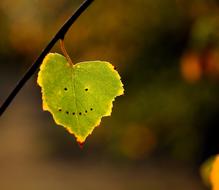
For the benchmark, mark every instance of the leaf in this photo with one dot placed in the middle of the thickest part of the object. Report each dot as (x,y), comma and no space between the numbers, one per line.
(79,95)
(214,176)
(206,169)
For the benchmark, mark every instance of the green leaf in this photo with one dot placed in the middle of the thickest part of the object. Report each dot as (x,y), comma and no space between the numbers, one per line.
(79,95)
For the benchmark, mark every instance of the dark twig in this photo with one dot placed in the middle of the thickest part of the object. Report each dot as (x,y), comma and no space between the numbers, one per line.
(59,36)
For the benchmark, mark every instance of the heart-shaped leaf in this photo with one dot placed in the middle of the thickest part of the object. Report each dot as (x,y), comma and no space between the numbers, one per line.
(79,95)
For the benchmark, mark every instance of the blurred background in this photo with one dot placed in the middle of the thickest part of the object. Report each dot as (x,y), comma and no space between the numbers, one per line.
(160,132)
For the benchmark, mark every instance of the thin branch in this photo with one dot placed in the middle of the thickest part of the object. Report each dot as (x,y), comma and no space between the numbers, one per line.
(64,51)
(60,35)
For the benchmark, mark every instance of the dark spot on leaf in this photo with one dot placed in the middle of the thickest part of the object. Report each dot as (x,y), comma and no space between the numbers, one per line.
(65,89)
(73,113)
(60,110)
(80,113)
(67,112)
(91,109)
(86,89)
(85,111)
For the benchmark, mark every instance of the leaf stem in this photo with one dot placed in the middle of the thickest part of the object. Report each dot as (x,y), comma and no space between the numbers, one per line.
(64,51)
(60,35)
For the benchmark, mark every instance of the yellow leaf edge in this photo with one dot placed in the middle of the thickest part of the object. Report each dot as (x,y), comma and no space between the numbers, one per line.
(214,175)
(45,107)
